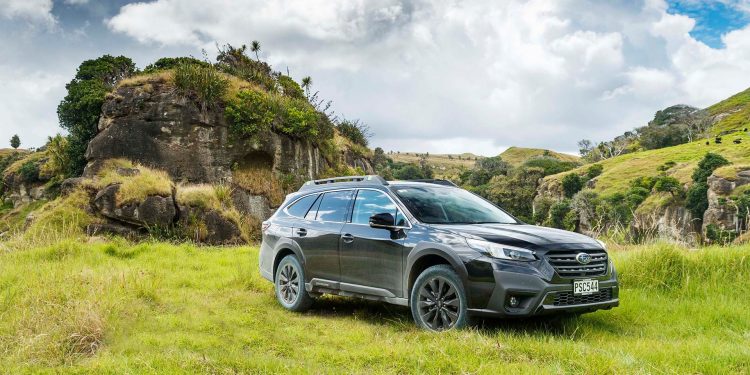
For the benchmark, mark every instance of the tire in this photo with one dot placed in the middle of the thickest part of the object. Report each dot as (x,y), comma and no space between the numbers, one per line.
(438,299)
(289,284)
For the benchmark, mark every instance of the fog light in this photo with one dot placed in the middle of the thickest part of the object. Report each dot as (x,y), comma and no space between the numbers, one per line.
(513,301)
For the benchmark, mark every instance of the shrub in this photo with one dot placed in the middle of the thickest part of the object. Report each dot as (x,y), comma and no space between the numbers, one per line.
(594,171)
(290,88)
(667,184)
(571,184)
(298,118)
(719,236)
(355,131)
(203,81)
(558,213)
(29,171)
(166,63)
(550,165)
(697,195)
(251,113)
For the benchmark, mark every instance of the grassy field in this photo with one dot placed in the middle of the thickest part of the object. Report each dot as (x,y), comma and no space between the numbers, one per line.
(117,307)
(518,155)
(443,165)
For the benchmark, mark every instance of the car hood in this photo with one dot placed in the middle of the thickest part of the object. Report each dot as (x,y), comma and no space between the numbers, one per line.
(526,236)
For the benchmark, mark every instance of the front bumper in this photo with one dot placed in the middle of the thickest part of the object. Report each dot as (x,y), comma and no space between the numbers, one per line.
(541,294)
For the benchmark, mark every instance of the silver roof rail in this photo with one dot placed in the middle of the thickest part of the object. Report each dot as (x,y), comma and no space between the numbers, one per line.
(436,181)
(372,179)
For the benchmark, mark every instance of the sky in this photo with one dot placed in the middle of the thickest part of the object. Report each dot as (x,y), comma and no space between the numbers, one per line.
(444,77)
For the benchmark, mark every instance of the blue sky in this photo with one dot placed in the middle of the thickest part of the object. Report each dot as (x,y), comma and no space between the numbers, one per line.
(454,76)
(712,18)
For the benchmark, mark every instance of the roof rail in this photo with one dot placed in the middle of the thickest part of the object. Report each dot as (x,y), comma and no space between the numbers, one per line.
(372,179)
(436,181)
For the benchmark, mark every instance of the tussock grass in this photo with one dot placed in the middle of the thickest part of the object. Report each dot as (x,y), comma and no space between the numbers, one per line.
(260,181)
(134,188)
(163,76)
(153,307)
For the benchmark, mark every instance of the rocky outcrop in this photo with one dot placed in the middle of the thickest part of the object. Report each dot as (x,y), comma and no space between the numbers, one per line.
(152,124)
(721,212)
(152,211)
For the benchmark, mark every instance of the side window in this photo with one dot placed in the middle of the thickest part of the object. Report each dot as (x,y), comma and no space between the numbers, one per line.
(334,206)
(300,207)
(371,202)
(314,209)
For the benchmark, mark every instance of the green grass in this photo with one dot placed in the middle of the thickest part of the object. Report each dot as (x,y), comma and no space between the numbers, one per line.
(619,171)
(118,307)
(519,155)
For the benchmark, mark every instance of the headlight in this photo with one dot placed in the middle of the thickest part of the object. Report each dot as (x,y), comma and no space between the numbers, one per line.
(604,245)
(502,251)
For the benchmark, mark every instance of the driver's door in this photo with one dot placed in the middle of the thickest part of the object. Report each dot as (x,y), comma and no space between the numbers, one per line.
(372,257)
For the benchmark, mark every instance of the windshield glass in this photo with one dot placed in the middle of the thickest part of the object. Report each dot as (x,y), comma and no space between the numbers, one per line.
(441,205)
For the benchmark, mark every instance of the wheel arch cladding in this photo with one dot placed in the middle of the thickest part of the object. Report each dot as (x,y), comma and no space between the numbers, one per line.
(424,258)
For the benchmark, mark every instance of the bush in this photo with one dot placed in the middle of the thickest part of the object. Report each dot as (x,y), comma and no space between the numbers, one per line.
(558,213)
(719,236)
(290,88)
(166,63)
(251,113)
(29,171)
(203,81)
(594,171)
(697,195)
(357,132)
(571,184)
(550,165)
(667,184)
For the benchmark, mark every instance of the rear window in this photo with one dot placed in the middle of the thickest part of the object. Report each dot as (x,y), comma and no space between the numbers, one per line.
(300,207)
(334,206)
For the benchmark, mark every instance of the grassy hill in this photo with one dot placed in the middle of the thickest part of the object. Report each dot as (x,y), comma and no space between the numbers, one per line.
(733,117)
(444,165)
(118,307)
(519,155)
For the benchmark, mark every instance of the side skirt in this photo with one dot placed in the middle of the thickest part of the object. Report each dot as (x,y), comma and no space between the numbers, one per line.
(322,286)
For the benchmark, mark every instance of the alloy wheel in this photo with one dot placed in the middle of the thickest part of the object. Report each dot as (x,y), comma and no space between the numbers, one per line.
(439,304)
(289,283)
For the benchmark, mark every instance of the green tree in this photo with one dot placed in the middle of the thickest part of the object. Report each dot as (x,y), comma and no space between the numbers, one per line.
(409,172)
(79,111)
(516,191)
(668,184)
(15,141)
(571,184)
(255,47)
(306,85)
(594,171)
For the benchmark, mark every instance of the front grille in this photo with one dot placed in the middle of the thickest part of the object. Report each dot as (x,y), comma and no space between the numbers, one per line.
(568,299)
(566,265)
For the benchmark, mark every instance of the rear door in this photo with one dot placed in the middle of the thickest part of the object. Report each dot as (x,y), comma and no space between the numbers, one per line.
(373,257)
(319,233)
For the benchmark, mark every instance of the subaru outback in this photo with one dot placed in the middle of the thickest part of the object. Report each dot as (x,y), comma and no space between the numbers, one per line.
(442,251)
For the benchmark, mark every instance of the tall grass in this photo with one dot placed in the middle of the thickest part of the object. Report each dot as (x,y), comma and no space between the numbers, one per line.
(204,81)
(120,307)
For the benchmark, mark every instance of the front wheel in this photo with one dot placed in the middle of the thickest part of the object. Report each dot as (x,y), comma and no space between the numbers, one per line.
(290,285)
(438,299)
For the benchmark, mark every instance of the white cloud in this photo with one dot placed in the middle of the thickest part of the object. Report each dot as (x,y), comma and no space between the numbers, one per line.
(39,11)
(472,74)
(24,105)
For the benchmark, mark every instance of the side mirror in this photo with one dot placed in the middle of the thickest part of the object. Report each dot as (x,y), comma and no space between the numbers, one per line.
(383,220)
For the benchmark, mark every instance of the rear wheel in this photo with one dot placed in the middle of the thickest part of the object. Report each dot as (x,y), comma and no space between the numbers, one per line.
(290,285)
(438,299)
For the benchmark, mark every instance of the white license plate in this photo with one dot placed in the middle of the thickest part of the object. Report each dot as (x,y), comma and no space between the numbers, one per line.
(585,287)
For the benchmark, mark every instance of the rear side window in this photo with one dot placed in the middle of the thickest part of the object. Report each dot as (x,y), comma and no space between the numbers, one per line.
(334,206)
(300,207)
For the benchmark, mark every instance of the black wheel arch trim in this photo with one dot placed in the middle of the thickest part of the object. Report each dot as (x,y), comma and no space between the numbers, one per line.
(426,249)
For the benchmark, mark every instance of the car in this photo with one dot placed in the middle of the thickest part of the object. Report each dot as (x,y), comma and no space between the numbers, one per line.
(444,252)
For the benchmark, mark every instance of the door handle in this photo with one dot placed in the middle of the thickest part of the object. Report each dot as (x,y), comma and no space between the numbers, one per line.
(348,238)
(301,232)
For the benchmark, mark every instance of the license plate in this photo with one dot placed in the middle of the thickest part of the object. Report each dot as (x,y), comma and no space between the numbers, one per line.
(585,287)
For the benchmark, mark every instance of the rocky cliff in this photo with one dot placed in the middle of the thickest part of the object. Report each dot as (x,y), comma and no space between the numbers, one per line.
(152,124)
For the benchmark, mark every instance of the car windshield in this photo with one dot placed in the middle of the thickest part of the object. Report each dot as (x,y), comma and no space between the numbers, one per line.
(443,205)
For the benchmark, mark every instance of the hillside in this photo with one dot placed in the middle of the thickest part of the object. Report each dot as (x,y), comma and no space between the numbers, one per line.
(654,193)
(518,155)
(732,118)
(447,166)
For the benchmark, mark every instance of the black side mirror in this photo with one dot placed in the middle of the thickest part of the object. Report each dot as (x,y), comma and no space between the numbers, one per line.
(383,220)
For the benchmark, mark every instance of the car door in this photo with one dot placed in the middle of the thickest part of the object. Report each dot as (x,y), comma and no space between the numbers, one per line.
(372,257)
(319,233)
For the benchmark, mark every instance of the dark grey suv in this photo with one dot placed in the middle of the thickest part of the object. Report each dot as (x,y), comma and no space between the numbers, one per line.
(441,250)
